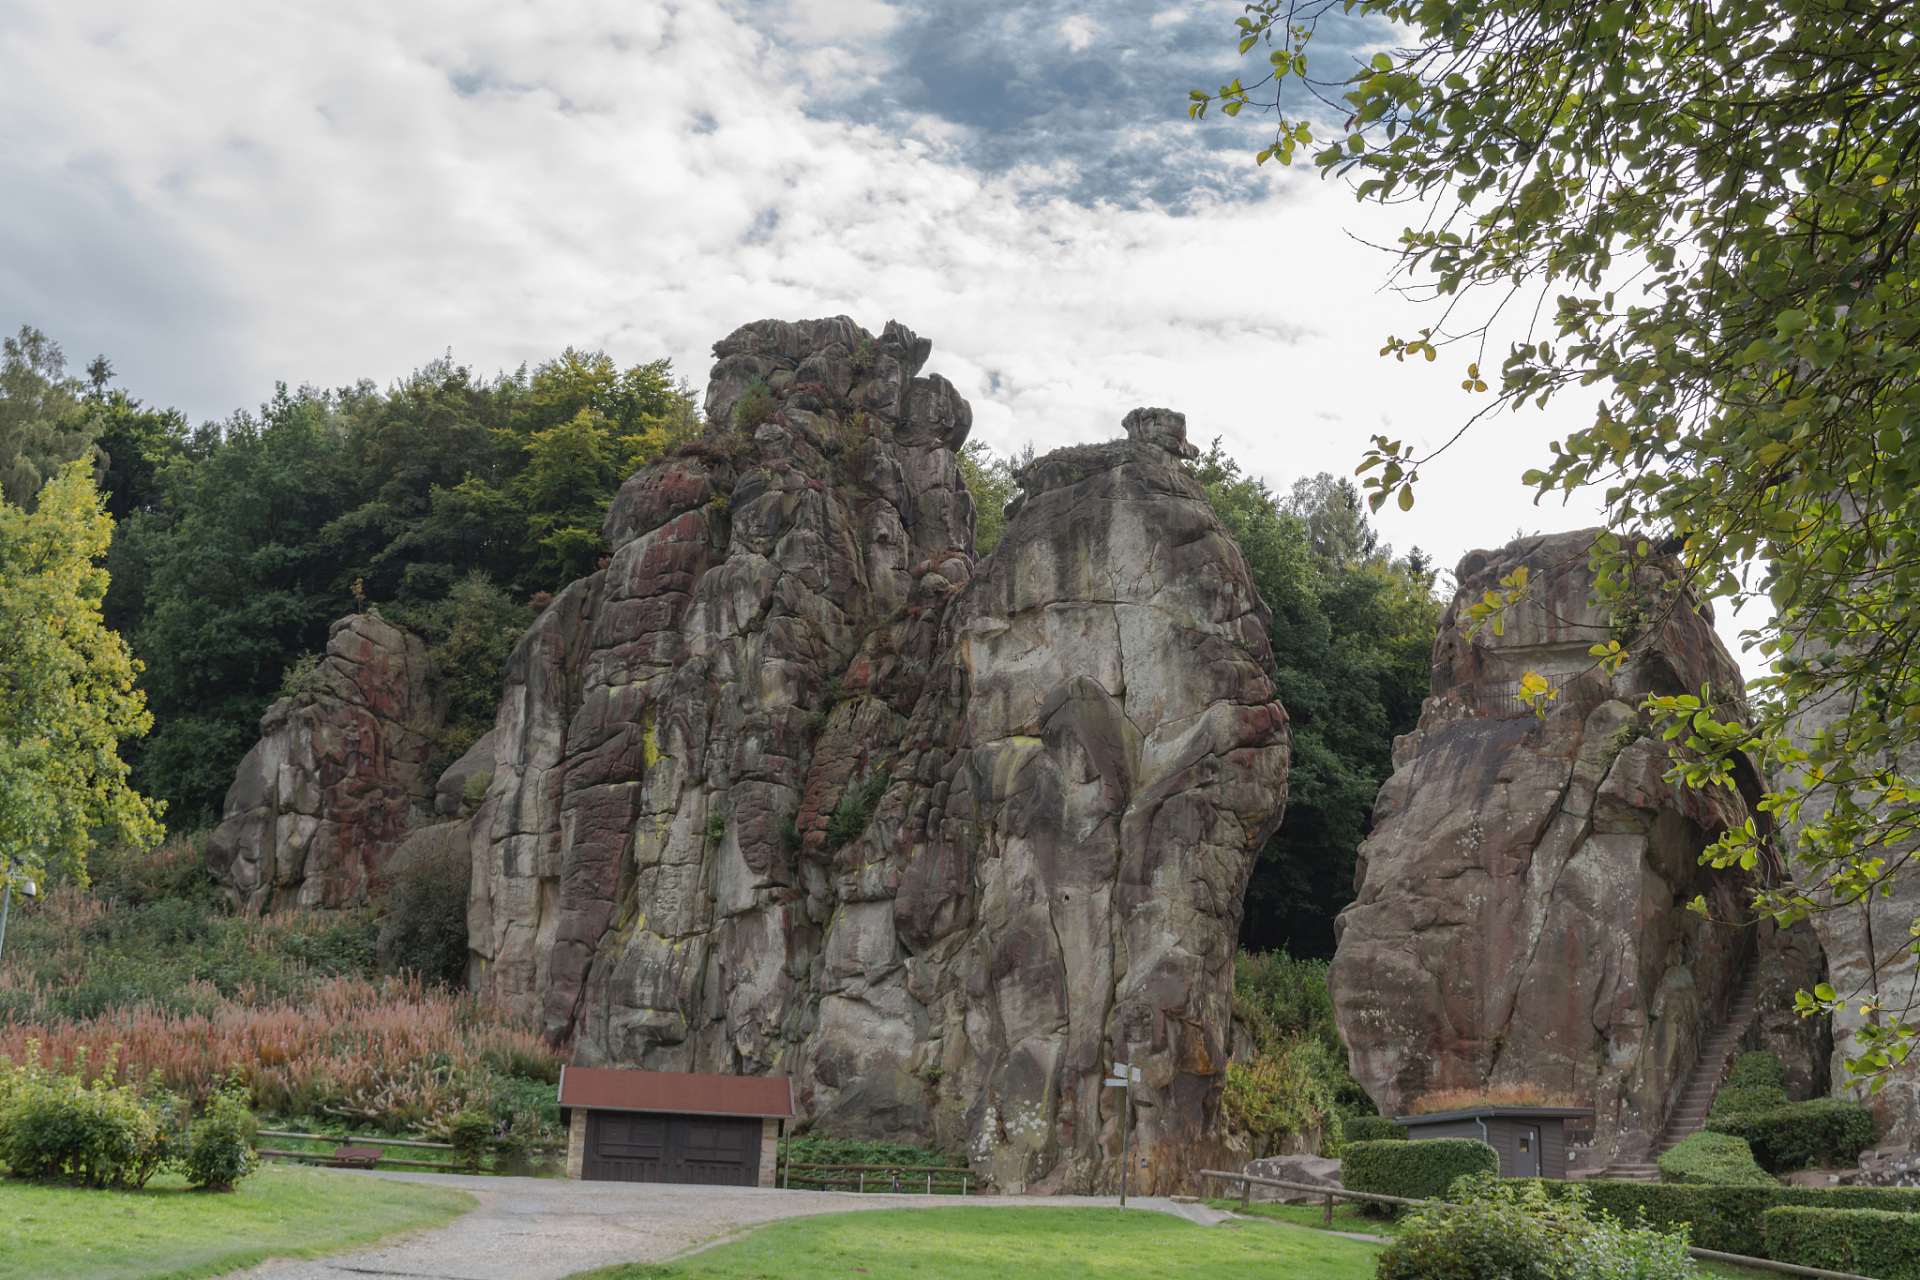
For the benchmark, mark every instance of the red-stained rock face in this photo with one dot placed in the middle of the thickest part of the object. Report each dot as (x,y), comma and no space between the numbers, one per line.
(795,786)
(1521,916)
(337,776)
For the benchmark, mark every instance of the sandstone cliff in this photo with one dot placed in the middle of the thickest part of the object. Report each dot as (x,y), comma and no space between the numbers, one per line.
(1520,918)
(795,786)
(338,775)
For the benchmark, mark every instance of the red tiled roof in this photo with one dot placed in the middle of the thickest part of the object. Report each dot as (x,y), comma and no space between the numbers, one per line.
(618,1089)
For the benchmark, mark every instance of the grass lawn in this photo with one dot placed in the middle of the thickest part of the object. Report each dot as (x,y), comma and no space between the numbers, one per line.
(169,1233)
(1029,1243)
(1346,1216)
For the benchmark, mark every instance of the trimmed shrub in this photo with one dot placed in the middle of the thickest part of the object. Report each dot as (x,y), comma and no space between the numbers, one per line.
(1868,1242)
(1818,1133)
(1758,1068)
(1416,1170)
(470,1132)
(1722,1217)
(219,1148)
(1713,1159)
(1739,1099)
(1372,1129)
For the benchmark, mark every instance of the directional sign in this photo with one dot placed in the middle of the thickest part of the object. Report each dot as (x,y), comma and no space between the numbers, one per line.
(1116,1083)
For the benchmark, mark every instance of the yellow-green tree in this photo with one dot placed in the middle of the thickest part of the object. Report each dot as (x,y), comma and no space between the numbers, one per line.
(66,684)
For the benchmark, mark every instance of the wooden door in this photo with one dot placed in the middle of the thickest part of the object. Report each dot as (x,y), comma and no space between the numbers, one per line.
(628,1146)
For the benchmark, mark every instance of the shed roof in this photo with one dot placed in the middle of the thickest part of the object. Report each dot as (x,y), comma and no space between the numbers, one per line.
(686,1093)
(1489,1113)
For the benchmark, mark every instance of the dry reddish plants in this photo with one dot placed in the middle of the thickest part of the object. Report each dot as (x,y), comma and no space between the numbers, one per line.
(392,1052)
(1505,1095)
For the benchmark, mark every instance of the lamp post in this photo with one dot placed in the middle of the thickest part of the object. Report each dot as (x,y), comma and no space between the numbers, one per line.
(1124,1077)
(27,887)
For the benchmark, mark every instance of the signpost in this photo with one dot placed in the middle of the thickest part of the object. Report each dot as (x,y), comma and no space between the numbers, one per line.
(1124,1077)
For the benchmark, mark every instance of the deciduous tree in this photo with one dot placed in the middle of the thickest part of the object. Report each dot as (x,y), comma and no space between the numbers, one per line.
(1714,209)
(67,696)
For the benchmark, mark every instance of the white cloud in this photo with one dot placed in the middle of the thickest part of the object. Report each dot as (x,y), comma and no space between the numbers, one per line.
(1079,31)
(344,189)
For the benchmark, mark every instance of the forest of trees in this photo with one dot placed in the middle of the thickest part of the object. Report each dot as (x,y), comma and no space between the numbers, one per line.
(455,501)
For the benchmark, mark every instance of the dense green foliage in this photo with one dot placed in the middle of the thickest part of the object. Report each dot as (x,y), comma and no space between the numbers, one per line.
(423,925)
(1759,1068)
(1722,1217)
(55,1127)
(1416,1170)
(1712,1159)
(1866,1242)
(240,541)
(990,481)
(1295,1081)
(1818,1133)
(219,1147)
(1372,1129)
(1352,638)
(67,697)
(1516,1231)
(1713,212)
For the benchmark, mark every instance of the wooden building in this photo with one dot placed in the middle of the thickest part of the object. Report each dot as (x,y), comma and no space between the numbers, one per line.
(670,1126)
(1532,1141)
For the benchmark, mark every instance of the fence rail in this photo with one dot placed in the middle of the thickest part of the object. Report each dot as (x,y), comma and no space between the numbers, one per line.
(1711,1255)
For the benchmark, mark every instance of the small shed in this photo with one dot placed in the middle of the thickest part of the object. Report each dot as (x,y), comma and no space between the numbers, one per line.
(1532,1141)
(673,1126)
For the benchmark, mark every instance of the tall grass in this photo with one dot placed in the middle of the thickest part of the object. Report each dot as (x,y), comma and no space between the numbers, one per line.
(146,974)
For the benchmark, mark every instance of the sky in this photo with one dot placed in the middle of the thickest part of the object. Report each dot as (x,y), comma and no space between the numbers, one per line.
(221,196)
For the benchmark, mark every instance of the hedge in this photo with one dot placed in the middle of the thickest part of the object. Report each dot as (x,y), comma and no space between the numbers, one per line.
(1371,1129)
(1738,1099)
(1417,1170)
(1869,1242)
(1819,1133)
(1758,1068)
(1729,1218)
(1713,1159)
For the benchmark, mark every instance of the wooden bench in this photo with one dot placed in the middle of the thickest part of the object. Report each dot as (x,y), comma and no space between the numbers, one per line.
(356,1157)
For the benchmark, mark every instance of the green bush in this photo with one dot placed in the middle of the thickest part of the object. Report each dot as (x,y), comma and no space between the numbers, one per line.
(1372,1129)
(1420,1170)
(470,1133)
(424,927)
(1514,1230)
(1758,1068)
(53,1127)
(219,1148)
(1818,1133)
(1723,1217)
(1739,1099)
(1713,1159)
(1868,1242)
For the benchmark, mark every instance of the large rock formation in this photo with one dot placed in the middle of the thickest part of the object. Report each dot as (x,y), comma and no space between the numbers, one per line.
(1521,914)
(338,775)
(794,786)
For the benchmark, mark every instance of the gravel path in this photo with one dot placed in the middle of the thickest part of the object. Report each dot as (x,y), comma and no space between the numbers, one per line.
(548,1228)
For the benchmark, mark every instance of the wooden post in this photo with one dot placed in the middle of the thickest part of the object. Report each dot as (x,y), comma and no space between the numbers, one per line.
(929,1184)
(1246,1193)
(1326,1219)
(863,1183)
